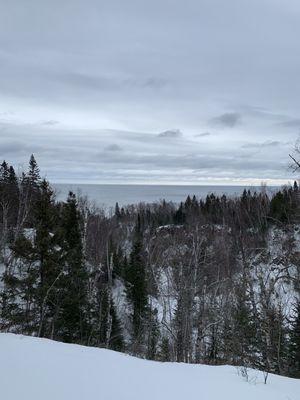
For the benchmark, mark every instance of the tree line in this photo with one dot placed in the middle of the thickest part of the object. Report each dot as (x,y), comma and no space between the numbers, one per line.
(214,280)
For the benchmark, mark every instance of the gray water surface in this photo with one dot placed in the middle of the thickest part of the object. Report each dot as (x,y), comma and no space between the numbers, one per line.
(108,195)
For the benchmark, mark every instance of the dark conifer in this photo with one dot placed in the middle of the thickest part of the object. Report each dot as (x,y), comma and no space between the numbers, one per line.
(136,282)
(73,283)
(47,255)
(116,340)
(117,211)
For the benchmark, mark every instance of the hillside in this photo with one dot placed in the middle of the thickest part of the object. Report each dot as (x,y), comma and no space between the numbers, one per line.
(34,369)
(207,281)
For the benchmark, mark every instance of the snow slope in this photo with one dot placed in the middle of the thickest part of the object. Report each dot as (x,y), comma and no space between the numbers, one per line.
(39,369)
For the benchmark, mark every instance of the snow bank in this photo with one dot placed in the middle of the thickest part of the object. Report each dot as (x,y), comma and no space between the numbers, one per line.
(40,369)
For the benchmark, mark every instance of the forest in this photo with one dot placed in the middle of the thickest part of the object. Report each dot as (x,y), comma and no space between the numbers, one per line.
(211,281)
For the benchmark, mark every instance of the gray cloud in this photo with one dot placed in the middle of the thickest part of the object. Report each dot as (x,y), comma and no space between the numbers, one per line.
(128,156)
(15,149)
(80,92)
(113,147)
(50,122)
(11,148)
(204,134)
(292,123)
(155,82)
(273,143)
(227,120)
(172,133)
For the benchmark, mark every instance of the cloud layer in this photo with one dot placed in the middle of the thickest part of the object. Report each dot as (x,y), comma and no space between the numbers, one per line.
(160,91)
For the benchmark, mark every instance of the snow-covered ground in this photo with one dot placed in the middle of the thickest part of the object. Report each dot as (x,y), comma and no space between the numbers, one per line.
(40,369)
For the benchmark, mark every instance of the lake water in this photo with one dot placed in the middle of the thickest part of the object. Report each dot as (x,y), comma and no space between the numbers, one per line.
(108,195)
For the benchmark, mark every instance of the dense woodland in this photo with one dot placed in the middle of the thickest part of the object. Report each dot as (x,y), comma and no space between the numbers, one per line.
(213,280)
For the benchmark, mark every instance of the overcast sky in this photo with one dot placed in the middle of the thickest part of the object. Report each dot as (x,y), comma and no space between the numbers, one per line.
(136,91)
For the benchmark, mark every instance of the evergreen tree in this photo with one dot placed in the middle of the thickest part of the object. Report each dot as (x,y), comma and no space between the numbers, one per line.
(105,318)
(165,354)
(4,203)
(180,216)
(33,172)
(4,174)
(243,335)
(48,257)
(272,343)
(136,283)
(29,186)
(295,187)
(153,334)
(19,308)
(116,340)
(27,285)
(106,328)
(13,189)
(188,203)
(117,211)
(72,314)
(9,199)
(117,262)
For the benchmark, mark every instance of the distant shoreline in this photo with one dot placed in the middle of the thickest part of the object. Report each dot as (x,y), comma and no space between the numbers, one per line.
(108,194)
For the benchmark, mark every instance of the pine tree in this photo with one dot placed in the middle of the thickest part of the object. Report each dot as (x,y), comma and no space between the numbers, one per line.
(106,328)
(116,340)
(19,278)
(165,354)
(72,314)
(13,189)
(188,203)
(117,261)
(30,186)
(180,216)
(153,334)
(48,257)
(105,318)
(136,284)
(19,308)
(295,186)
(243,336)
(33,172)
(8,201)
(117,211)
(272,343)
(29,285)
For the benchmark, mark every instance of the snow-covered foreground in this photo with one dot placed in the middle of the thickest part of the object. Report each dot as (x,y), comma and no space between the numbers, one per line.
(39,369)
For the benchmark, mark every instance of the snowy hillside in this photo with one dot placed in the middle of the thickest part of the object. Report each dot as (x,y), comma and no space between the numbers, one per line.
(35,369)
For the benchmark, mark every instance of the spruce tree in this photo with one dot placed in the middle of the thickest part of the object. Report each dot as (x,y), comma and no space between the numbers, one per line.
(136,283)
(9,198)
(165,354)
(153,334)
(47,255)
(13,190)
(4,168)
(19,307)
(272,341)
(72,315)
(29,282)
(30,186)
(179,216)
(116,340)
(117,211)
(117,261)
(243,337)
(33,172)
